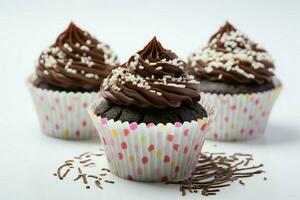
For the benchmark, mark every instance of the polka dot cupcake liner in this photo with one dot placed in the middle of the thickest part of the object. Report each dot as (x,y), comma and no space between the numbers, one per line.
(242,116)
(148,152)
(63,114)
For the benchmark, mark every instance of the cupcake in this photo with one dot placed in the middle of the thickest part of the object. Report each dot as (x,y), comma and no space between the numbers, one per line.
(67,79)
(237,76)
(150,122)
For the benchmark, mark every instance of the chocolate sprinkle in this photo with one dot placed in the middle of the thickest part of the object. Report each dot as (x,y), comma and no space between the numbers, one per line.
(218,170)
(79,166)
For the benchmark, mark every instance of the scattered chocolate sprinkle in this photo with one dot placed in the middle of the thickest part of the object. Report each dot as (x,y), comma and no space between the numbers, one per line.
(105,169)
(85,161)
(241,182)
(81,163)
(98,184)
(107,181)
(218,170)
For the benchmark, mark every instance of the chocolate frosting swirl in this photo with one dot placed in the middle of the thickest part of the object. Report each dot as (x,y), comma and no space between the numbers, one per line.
(76,61)
(154,77)
(232,57)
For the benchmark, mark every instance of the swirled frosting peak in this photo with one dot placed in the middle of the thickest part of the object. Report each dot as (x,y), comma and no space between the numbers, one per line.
(231,56)
(76,61)
(153,77)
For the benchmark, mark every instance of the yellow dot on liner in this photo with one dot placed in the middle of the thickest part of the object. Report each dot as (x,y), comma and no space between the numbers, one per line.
(173,165)
(66,133)
(158,153)
(143,139)
(201,122)
(114,133)
(131,158)
(163,127)
(232,126)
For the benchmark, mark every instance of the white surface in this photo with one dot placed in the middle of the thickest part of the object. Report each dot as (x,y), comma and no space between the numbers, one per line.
(29,158)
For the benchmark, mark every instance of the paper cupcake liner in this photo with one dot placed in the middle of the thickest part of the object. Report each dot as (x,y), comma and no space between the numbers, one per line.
(148,152)
(240,116)
(63,114)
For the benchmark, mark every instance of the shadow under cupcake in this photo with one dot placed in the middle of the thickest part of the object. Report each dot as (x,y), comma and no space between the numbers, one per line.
(151,124)
(237,77)
(67,79)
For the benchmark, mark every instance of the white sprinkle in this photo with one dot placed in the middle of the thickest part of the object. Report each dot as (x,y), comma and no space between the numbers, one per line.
(83,47)
(46,72)
(158,68)
(88,42)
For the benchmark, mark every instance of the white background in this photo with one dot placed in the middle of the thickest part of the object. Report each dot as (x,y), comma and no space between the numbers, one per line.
(29,158)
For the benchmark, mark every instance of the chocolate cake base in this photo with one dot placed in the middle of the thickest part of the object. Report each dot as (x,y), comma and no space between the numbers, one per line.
(229,88)
(43,85)
(150,115)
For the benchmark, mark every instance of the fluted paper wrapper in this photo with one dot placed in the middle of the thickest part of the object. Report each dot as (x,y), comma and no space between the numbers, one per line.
(240,116)
(148,152)
(63,114)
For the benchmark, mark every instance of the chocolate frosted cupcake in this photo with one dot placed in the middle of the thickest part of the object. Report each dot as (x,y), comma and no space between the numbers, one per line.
(237,76)
(151,123)
(68,75)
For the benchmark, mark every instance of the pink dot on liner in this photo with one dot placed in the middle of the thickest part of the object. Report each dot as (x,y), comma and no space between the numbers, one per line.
(129,177)
(186,132)
(103,121)
(84,123)
(233,107)
(226,119)
(164,179)
(144,160)
(196,147)
(42,98)
(126,131)
(104,140)
(133,126)
(256,101)
(178,124)
(139,171)
(150,147)
(176,147)
(85,105)
(124,145)
(250,132)
(52,108)
(120,156)
(242,131)
(167,159)
(251,117)
(46,117)
(176,169)
(170,137)
(56,100)
(70,108)
(43,126)
(185,150)
(215,136)
(150,125)
(56,126)
(77,133)
(245,110)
